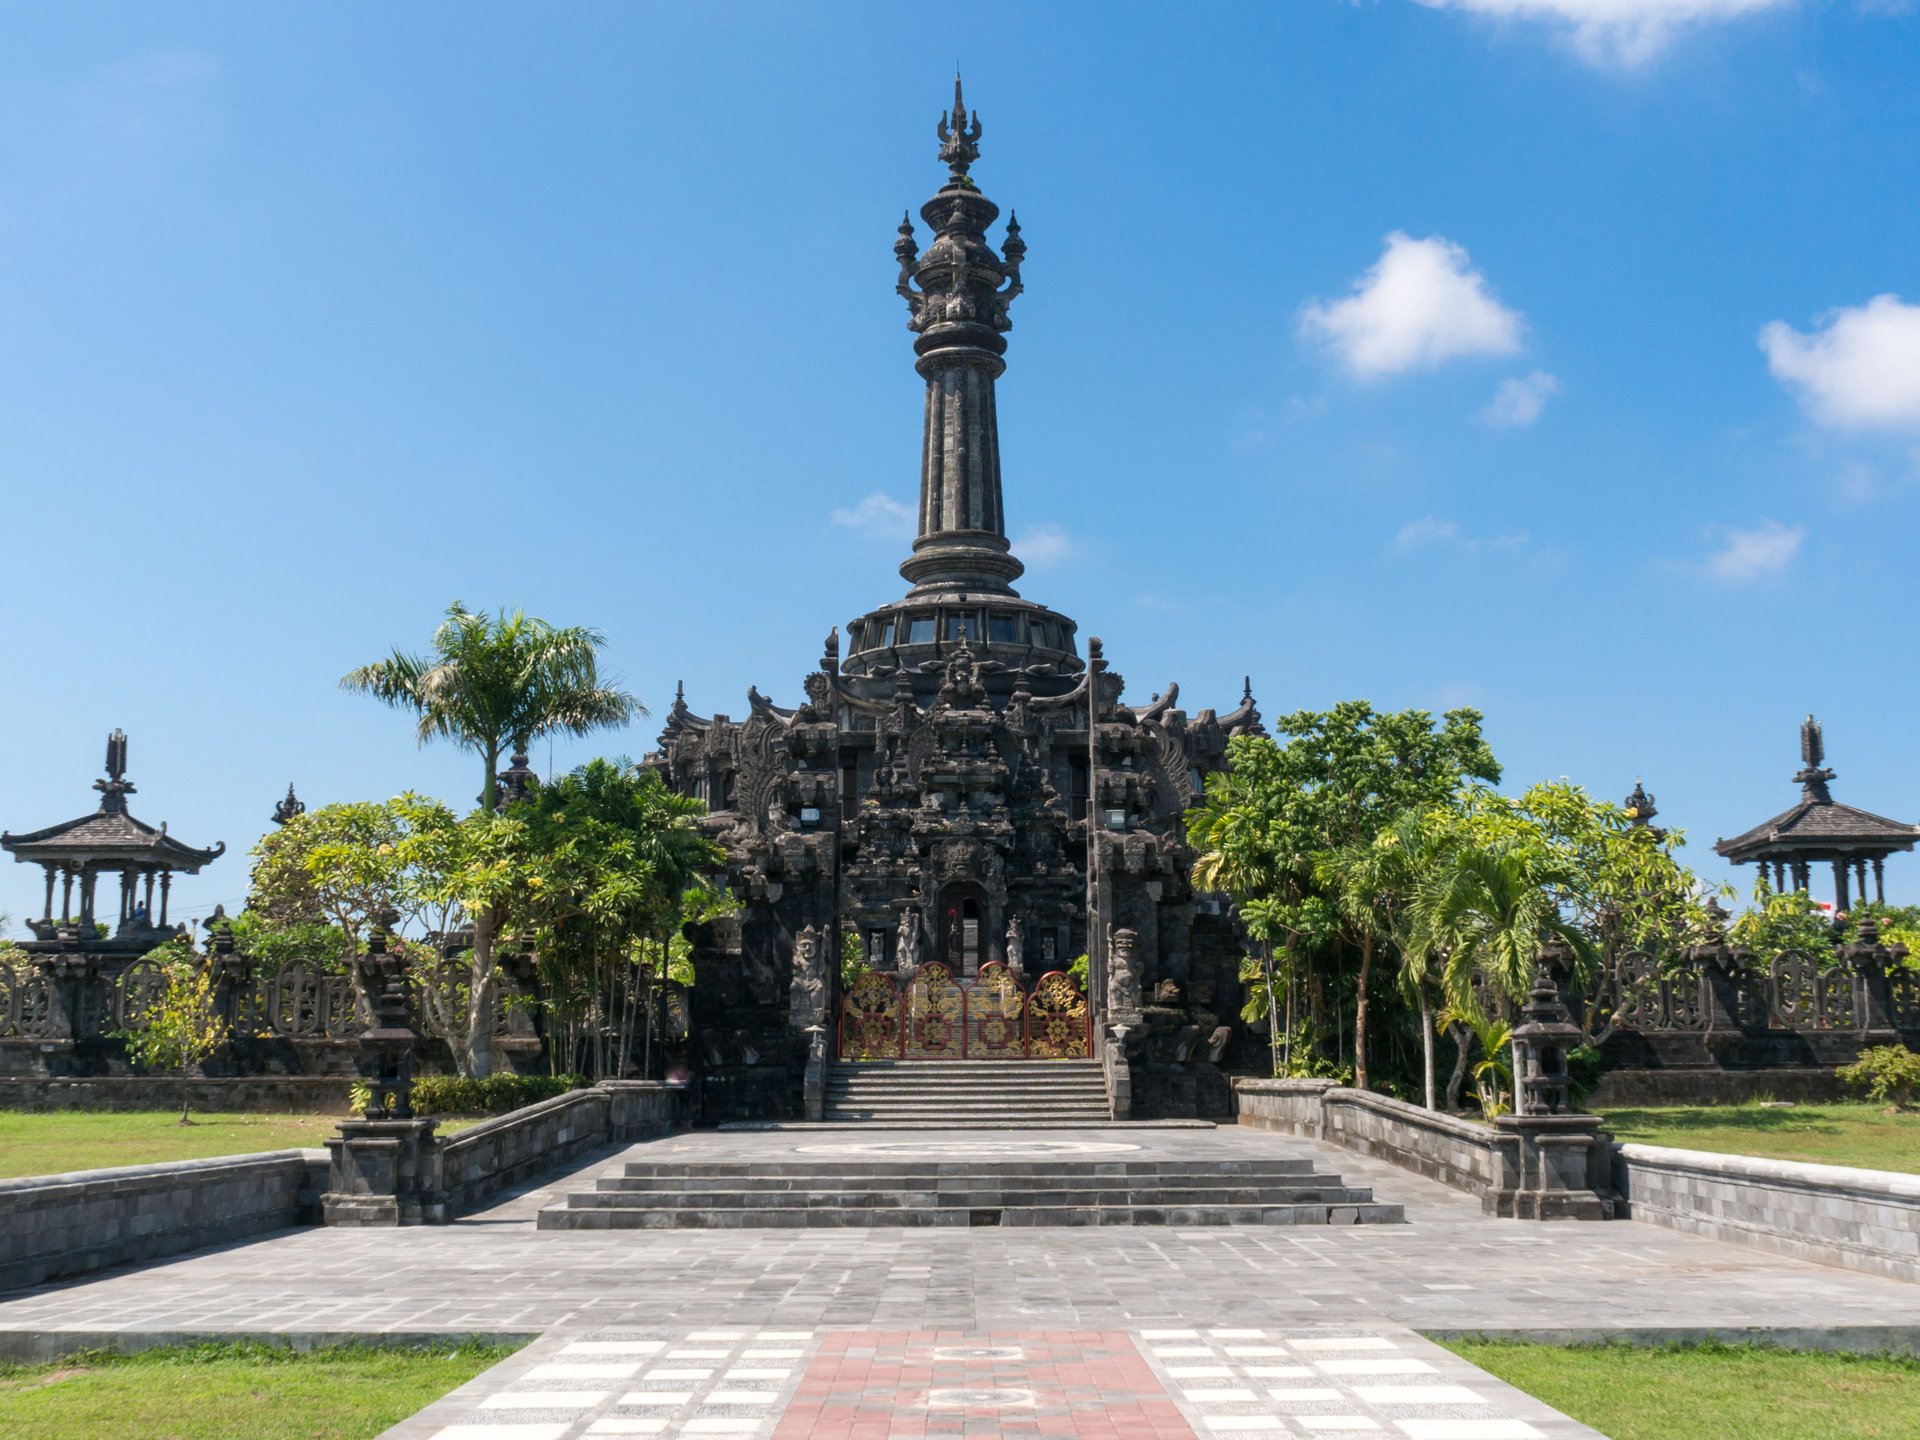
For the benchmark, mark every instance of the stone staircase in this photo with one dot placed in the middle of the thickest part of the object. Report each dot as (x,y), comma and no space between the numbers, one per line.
(727,1194)
(976,1094)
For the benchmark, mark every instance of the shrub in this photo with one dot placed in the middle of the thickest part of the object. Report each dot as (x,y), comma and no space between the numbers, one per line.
(1890,1074)
(495,1095)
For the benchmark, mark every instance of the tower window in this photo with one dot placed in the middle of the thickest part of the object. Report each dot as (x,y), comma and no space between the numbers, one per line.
(964,625)
(1003,629)
(919,631)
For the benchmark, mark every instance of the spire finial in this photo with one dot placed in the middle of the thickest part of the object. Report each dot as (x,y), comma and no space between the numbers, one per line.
(116,787)
(1813,776)
(959,134)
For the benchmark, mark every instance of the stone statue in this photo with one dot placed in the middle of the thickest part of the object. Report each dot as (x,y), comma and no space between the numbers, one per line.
(906,943)
(807,996)
(1016,948)
(1123,973)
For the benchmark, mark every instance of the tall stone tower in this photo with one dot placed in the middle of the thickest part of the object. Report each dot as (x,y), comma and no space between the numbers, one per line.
(958,292)
(962,806)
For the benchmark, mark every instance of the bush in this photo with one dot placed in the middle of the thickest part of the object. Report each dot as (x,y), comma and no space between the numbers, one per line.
(1890,1074)
(495,1095)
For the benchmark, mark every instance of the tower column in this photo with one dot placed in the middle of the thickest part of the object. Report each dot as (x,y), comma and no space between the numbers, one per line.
(958,290)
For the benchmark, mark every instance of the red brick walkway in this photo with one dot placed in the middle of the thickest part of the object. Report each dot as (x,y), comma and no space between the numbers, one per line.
(879,1385)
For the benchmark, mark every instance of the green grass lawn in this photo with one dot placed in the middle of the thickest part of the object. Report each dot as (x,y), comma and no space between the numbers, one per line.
(231,1392)
(1863,1135)
(1713,1392)
(62,1140)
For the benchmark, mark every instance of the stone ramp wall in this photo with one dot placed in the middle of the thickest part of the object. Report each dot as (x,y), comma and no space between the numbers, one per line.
(1458,1153)
(1531,1167)
(497,1154)
(58,1225)
(1860,1219)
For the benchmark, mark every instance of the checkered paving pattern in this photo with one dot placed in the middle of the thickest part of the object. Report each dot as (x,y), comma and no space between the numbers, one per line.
(1263,1382)
(1160,1384)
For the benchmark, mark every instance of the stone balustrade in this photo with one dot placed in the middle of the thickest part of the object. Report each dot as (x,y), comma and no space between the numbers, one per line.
(58,1225)
(400,1172)
(1545,1167)
(1860,1219)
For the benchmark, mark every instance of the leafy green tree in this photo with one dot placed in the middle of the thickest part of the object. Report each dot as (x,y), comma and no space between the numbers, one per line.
(492,685)
(334,870)
(1291,831)
(597,874)
(183,1027)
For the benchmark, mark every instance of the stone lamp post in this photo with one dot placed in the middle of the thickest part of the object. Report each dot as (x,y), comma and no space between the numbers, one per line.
(1558,1166)
(384,1168)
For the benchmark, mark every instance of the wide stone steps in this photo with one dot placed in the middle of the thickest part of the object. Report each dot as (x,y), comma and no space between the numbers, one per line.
(967,1092)
(720,1194)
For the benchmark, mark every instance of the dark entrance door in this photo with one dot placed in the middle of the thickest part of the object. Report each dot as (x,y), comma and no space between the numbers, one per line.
(963,932)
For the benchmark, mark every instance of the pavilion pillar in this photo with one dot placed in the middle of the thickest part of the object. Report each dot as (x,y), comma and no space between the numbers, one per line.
(1860,880)
(89,881)
(149,895)
(1839,886)
(1801,882)
(166,884)
(1779,876)
(66,894)
(1879,880)
(126,895)
(48,915)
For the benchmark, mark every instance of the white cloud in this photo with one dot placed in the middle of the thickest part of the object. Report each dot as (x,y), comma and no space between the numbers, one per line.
(1043,545)
(1615,32)
(1519,401)
(1430,531)
(1748,555)
(1862,368)
(880,516)
(1421,305)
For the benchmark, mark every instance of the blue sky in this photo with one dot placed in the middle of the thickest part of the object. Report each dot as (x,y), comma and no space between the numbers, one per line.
(1524,354)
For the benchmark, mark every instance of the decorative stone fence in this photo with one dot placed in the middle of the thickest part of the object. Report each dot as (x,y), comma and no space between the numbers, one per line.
(62,1012)
(400,1172)
(57,1225)
(1713,1024)
(1861,1219)
(1530,1167)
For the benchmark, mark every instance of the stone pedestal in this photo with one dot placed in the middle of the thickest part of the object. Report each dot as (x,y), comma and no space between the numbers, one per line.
(384,1172)
(1558,1168)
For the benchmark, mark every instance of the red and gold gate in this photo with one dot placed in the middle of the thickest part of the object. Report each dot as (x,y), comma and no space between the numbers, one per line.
(931,1015)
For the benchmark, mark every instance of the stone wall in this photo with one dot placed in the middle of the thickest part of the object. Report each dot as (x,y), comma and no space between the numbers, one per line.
(1528,1167)
(1458,1153)
(388,1172)
(57,1225)
(498,1154)
(1861,1219)
(1699,1085)
(294,1093)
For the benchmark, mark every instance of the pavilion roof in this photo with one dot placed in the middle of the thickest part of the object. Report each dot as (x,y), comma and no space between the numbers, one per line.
(1821,826)
(110,836)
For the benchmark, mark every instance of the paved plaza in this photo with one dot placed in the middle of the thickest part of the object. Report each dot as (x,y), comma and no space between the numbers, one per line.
(1136,1330)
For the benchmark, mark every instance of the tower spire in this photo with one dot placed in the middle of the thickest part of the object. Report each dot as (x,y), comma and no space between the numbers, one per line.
(958,291)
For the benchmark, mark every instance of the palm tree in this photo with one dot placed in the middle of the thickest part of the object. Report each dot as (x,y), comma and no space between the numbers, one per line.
(1486,909)
(1361,878)
(494,682)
